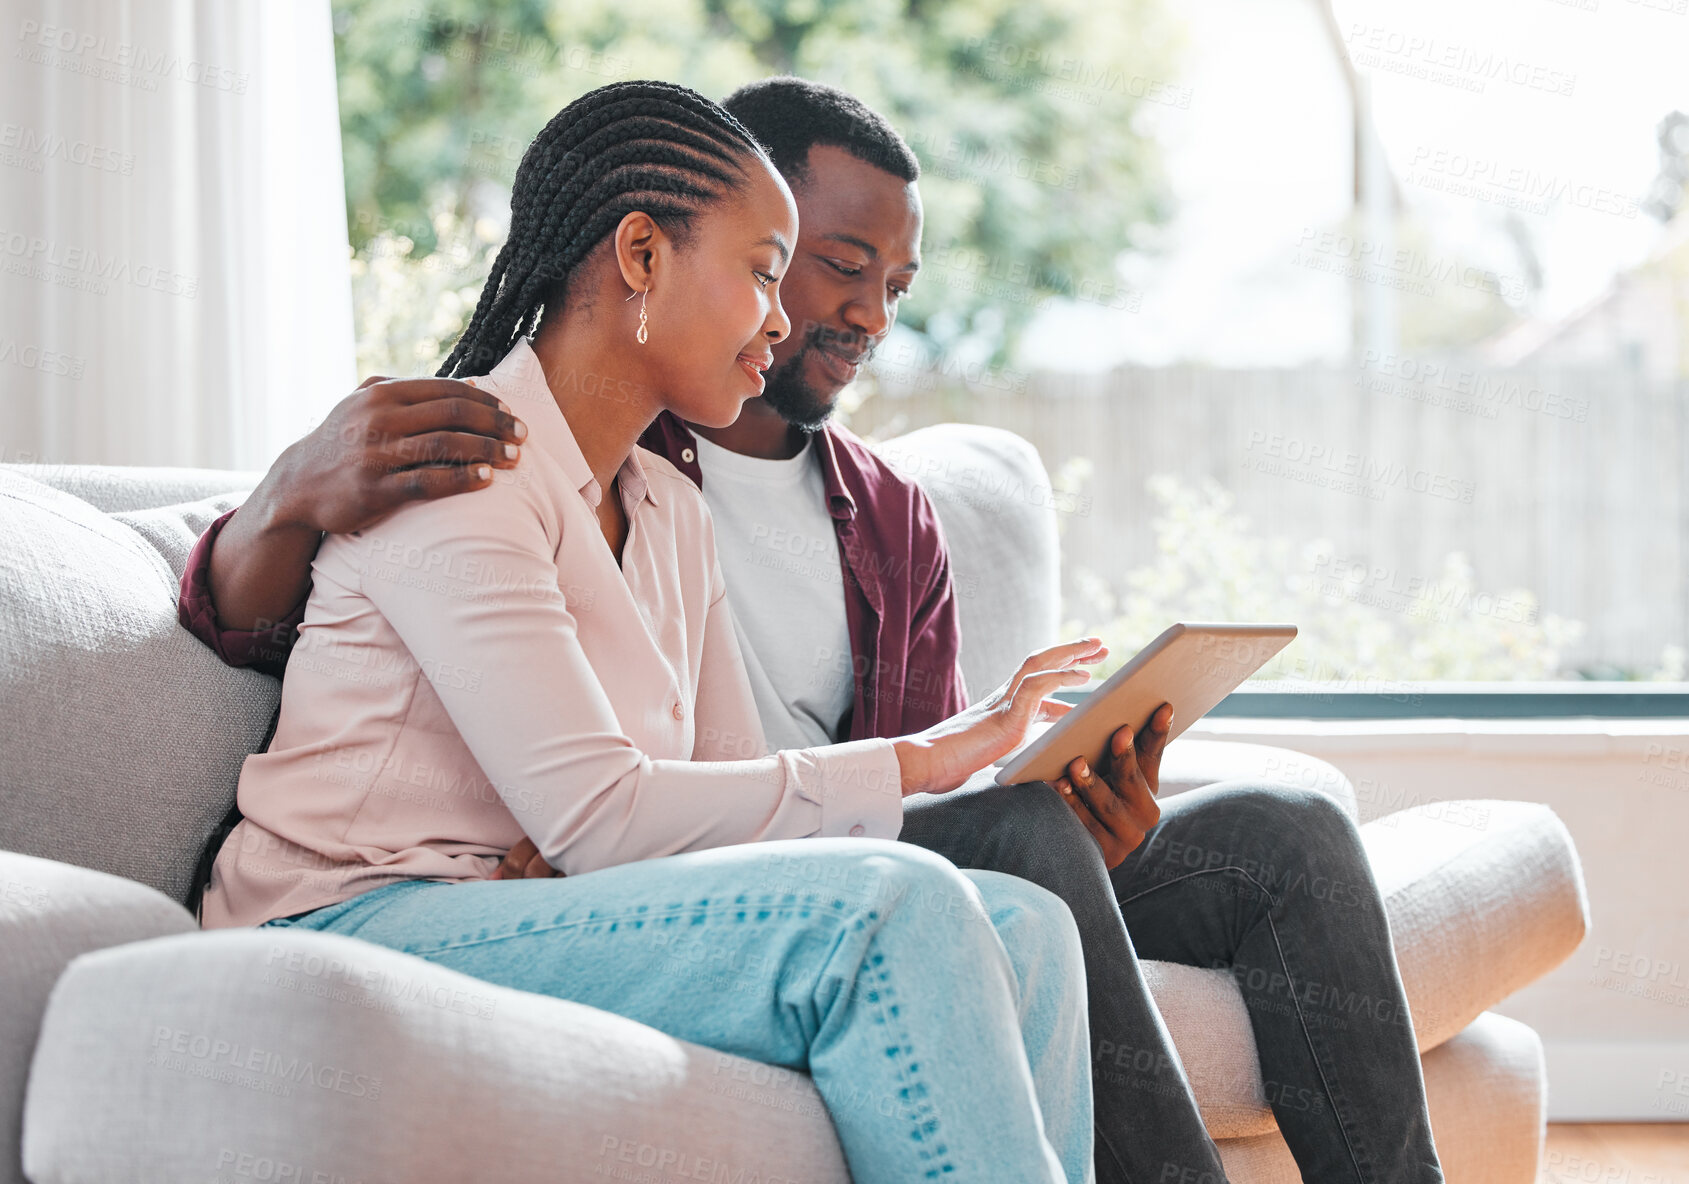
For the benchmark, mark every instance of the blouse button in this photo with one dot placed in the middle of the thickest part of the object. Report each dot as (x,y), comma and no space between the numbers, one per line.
(857,832)
(679,711)
(686,455)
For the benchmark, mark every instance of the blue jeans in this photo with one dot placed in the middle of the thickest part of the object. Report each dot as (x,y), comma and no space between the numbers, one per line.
(1270,883)
(941,1014)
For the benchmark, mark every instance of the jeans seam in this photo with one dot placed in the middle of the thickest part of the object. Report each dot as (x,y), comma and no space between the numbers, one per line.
(1319,1067)
(556,926)
(1301,1019)
(1103,1141)
(940,1153)
(1244,872)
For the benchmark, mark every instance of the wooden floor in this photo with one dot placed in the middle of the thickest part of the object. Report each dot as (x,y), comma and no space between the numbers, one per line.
(1616,1153)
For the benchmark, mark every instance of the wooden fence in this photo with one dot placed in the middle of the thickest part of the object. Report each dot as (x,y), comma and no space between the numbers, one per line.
(1568,483)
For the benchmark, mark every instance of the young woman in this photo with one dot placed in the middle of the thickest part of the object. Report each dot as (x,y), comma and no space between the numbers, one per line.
(552,657)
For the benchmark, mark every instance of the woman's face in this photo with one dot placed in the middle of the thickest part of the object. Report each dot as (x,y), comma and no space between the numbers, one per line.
(714,309)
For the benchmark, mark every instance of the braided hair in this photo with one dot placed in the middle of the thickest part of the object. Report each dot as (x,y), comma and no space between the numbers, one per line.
(630,146)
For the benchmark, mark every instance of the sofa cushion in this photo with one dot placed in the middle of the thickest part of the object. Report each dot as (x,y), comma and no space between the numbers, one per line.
(173,530)
(1482,901)
(311,1056)
(51,912)
(123,735)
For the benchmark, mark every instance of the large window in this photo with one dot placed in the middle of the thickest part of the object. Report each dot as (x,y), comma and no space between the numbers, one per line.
(1369,316)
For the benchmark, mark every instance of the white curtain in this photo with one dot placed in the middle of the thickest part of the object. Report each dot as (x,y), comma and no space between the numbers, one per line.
(173,266)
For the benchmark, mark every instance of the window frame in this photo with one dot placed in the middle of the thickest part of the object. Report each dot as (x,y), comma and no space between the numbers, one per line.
(1450,700)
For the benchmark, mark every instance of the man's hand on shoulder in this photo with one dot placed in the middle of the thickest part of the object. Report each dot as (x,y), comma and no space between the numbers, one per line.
(391,442)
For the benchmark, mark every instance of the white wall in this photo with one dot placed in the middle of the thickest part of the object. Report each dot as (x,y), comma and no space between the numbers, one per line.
(1614,1018)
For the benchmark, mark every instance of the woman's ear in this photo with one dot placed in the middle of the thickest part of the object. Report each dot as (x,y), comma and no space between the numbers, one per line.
(638,238)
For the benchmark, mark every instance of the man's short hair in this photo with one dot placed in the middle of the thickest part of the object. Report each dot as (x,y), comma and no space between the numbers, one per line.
(791,115)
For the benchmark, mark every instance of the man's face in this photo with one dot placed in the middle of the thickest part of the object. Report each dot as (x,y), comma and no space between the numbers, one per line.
(859,246)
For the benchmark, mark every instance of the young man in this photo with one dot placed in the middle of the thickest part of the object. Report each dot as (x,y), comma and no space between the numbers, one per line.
(827,551)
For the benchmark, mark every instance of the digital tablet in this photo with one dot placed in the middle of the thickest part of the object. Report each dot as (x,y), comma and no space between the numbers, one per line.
(1191,666)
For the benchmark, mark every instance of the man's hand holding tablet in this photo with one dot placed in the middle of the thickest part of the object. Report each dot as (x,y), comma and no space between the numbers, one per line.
(1104,756)
(1117,802)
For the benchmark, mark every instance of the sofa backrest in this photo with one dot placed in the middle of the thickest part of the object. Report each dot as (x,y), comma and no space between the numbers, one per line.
(998,513)
(122,737)
(117,489)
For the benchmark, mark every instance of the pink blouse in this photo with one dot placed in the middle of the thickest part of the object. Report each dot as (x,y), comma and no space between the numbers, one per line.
(478,667)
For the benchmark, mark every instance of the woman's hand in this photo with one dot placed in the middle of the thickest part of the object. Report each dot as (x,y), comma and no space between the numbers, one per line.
(947,754)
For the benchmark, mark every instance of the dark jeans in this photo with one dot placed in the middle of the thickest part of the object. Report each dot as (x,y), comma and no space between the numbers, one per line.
(1269,882)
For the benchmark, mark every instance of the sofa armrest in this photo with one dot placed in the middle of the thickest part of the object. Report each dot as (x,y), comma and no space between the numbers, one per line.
(50,913)
(323,1057)
(1484,896)
(1190,763)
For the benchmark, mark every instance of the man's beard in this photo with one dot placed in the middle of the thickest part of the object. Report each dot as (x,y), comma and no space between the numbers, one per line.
(791,395)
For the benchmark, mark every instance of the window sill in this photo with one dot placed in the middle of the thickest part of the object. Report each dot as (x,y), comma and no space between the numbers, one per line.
(1467,702)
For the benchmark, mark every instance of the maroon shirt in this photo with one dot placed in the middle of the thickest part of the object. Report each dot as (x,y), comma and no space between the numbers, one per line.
(899,599)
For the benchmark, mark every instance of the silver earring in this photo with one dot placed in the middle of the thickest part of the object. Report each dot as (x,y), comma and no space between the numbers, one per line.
(644,333)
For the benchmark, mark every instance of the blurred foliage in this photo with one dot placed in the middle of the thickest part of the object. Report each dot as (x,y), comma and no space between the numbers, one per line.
(1023,112)
(411,306)
(1210,564)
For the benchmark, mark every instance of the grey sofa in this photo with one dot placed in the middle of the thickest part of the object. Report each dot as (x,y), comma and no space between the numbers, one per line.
(135,1047)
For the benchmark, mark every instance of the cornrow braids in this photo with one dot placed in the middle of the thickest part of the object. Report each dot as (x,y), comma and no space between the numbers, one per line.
(647,146)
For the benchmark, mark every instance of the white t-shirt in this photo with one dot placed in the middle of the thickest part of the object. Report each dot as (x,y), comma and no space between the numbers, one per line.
(780,557)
